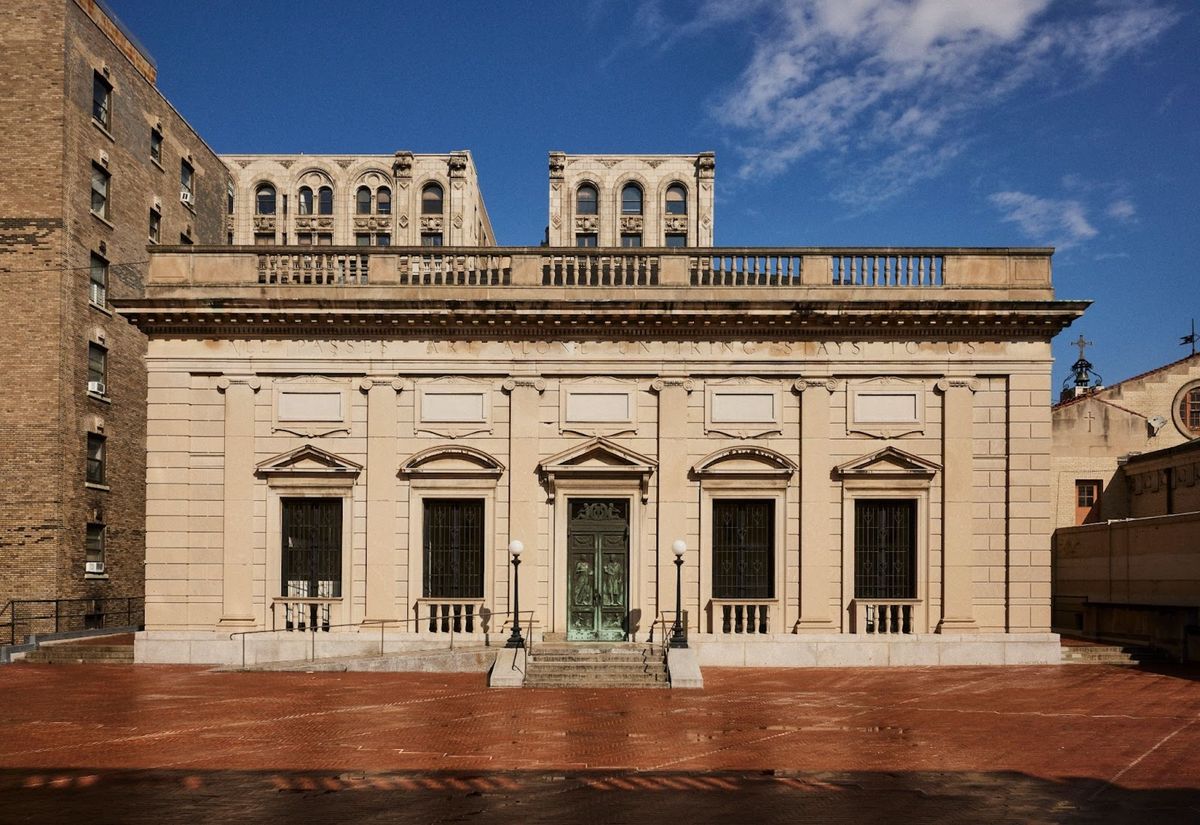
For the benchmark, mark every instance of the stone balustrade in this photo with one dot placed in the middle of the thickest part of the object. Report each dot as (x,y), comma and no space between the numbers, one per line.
(765,271)
(736,616)
(884,617)
(457,616)
(302,613)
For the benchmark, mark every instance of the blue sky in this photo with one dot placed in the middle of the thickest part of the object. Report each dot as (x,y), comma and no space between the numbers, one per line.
(1072,123)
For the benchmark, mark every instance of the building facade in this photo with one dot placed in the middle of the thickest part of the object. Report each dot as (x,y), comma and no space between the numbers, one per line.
(853,447)
(365,200)
(97,165)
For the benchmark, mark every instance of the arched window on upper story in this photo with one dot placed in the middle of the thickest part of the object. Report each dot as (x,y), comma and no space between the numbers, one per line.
(383,200)
(1189,411)
(264,199)
(431,199)
(362,201)
(325,201)
(586,200)
(631,199)
(676,199)
(305,200)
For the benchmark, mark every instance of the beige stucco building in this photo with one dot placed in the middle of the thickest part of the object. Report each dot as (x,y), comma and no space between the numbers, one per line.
(853,444)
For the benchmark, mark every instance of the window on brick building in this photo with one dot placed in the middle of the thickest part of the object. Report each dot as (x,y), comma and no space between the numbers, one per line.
(431,239)
(97,374)
(362,239)
(98,281)
(96,470)
(362,201)
(324,201)
(324,239)
(675,240)
(586,200)
(631,239)
(305,200)
(631,199)
(155,225)
(431,199)
(383,239)
(156,140)
(676,199)
(264,238)
(229,198)
(101,100)
(187,183)
(587,239)
(94,548)
(264,200)
(1087,501)
(1189,411)
(100,189)
(383,200)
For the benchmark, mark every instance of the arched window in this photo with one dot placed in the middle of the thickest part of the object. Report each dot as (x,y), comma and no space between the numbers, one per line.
(383,200)
(264,199)
(324,201)
(631,199)
(431,199)
(676,199)
(1189,411)
(586,200)
(305,200)
(362,201)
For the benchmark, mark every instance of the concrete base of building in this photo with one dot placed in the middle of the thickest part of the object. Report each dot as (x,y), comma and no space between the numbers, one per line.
(842,650)
(683,666)
(508,671)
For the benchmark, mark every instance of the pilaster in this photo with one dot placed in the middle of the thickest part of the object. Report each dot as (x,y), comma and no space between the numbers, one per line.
(815,515)
(237,555)
(523,489)
(958,611)
(674,496)
(382,435)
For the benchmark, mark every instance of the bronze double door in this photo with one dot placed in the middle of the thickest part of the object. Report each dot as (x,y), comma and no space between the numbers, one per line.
(597,569)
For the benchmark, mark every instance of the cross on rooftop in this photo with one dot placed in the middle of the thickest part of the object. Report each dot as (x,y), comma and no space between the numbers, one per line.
(1082,343)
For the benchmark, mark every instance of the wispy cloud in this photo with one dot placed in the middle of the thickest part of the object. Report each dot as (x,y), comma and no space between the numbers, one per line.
(1058,223)
(899,84)
(1122,210)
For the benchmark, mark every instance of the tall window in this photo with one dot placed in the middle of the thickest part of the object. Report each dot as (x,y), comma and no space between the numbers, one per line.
(97,369)
(1189,410)
(431,199)
(676,199)
(94,548)
(885,549)
(101,100)
(100,181)
(1087,501)
(305,198)
(98,281)
(586,200)
(311,556)
(229,197)
(383,200)
(187,182)
(743,549)
(95,471)
(264,200)
(324,201)
(156,146)
(362,201)
(631,199)
(155,225)
(453,548)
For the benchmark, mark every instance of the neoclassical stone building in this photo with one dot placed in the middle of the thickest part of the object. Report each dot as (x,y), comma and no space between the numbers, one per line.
(853,444)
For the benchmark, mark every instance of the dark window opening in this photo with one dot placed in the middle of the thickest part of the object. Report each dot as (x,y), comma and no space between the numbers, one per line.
(453,548)
(885,549)
(743,549)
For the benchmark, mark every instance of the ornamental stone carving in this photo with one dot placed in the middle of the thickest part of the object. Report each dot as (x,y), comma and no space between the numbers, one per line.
(431,223)
(631,223)
(402,163)
(402,221)
(706,165)
(458,165)
(305,223)
(458,222)
(325,223)
(558,163)
(586,224)
(676,223)
(264,222)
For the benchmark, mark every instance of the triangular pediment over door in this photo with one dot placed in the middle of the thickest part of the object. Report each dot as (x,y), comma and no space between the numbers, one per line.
(598,458)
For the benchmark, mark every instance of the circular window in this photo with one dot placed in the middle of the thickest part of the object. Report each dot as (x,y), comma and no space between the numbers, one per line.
(1185,409)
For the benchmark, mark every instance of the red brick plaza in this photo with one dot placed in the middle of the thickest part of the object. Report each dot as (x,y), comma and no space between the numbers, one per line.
(161,744)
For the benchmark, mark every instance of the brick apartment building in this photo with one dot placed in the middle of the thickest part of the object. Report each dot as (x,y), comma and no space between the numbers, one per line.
(97,164)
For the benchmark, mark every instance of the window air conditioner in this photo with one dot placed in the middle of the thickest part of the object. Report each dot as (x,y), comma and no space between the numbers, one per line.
(96,387)
(93,567)
(185,197)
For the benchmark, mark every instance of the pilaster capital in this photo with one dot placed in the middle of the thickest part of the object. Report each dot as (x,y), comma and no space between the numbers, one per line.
(958,382)
(660,384)
(515,381)
(366,384)
(817,382)
(225,382)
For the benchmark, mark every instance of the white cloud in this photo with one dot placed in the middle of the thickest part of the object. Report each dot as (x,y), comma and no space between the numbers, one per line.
(1058,223)
(1122,210)
(888,79)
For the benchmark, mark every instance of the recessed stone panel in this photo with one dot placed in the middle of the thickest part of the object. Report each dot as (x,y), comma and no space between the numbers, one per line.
(310,406)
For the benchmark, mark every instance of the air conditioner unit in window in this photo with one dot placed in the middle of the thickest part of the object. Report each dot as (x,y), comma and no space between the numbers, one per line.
(93,567)
(96,387)
(185,197)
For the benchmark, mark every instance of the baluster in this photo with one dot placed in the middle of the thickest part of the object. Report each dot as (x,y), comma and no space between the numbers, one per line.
(907,614)
(883,618)
(457,618)
(470,618)
(433,618)
(739,624)
(751,624)
(726,610)
(762,619)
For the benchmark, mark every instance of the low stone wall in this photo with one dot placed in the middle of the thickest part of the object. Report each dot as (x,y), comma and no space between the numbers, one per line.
(841,650)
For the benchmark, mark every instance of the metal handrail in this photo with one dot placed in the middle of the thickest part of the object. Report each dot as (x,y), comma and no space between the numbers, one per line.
(59,615)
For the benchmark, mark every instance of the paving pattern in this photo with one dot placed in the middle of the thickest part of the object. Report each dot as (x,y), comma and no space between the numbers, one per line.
(123,744)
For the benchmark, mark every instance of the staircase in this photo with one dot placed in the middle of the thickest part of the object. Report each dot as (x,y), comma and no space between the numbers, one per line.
(102,650)
(596,665)
(1100,654)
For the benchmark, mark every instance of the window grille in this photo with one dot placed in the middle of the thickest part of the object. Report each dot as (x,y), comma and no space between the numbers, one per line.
(743,549)
(885,549)
(312,547)
(453,541)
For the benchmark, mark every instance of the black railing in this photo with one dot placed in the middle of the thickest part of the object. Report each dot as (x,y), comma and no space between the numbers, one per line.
(22,618)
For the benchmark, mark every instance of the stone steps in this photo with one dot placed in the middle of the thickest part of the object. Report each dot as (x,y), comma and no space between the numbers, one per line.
(596,666)
(1098,655)
(78,654)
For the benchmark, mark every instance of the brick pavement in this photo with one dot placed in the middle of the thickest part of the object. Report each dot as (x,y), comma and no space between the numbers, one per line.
(173,743)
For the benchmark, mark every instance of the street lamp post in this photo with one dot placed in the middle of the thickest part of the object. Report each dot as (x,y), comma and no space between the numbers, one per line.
(678,639)
(514,548)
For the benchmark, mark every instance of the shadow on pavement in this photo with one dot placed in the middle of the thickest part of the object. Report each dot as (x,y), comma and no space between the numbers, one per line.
(584,797)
